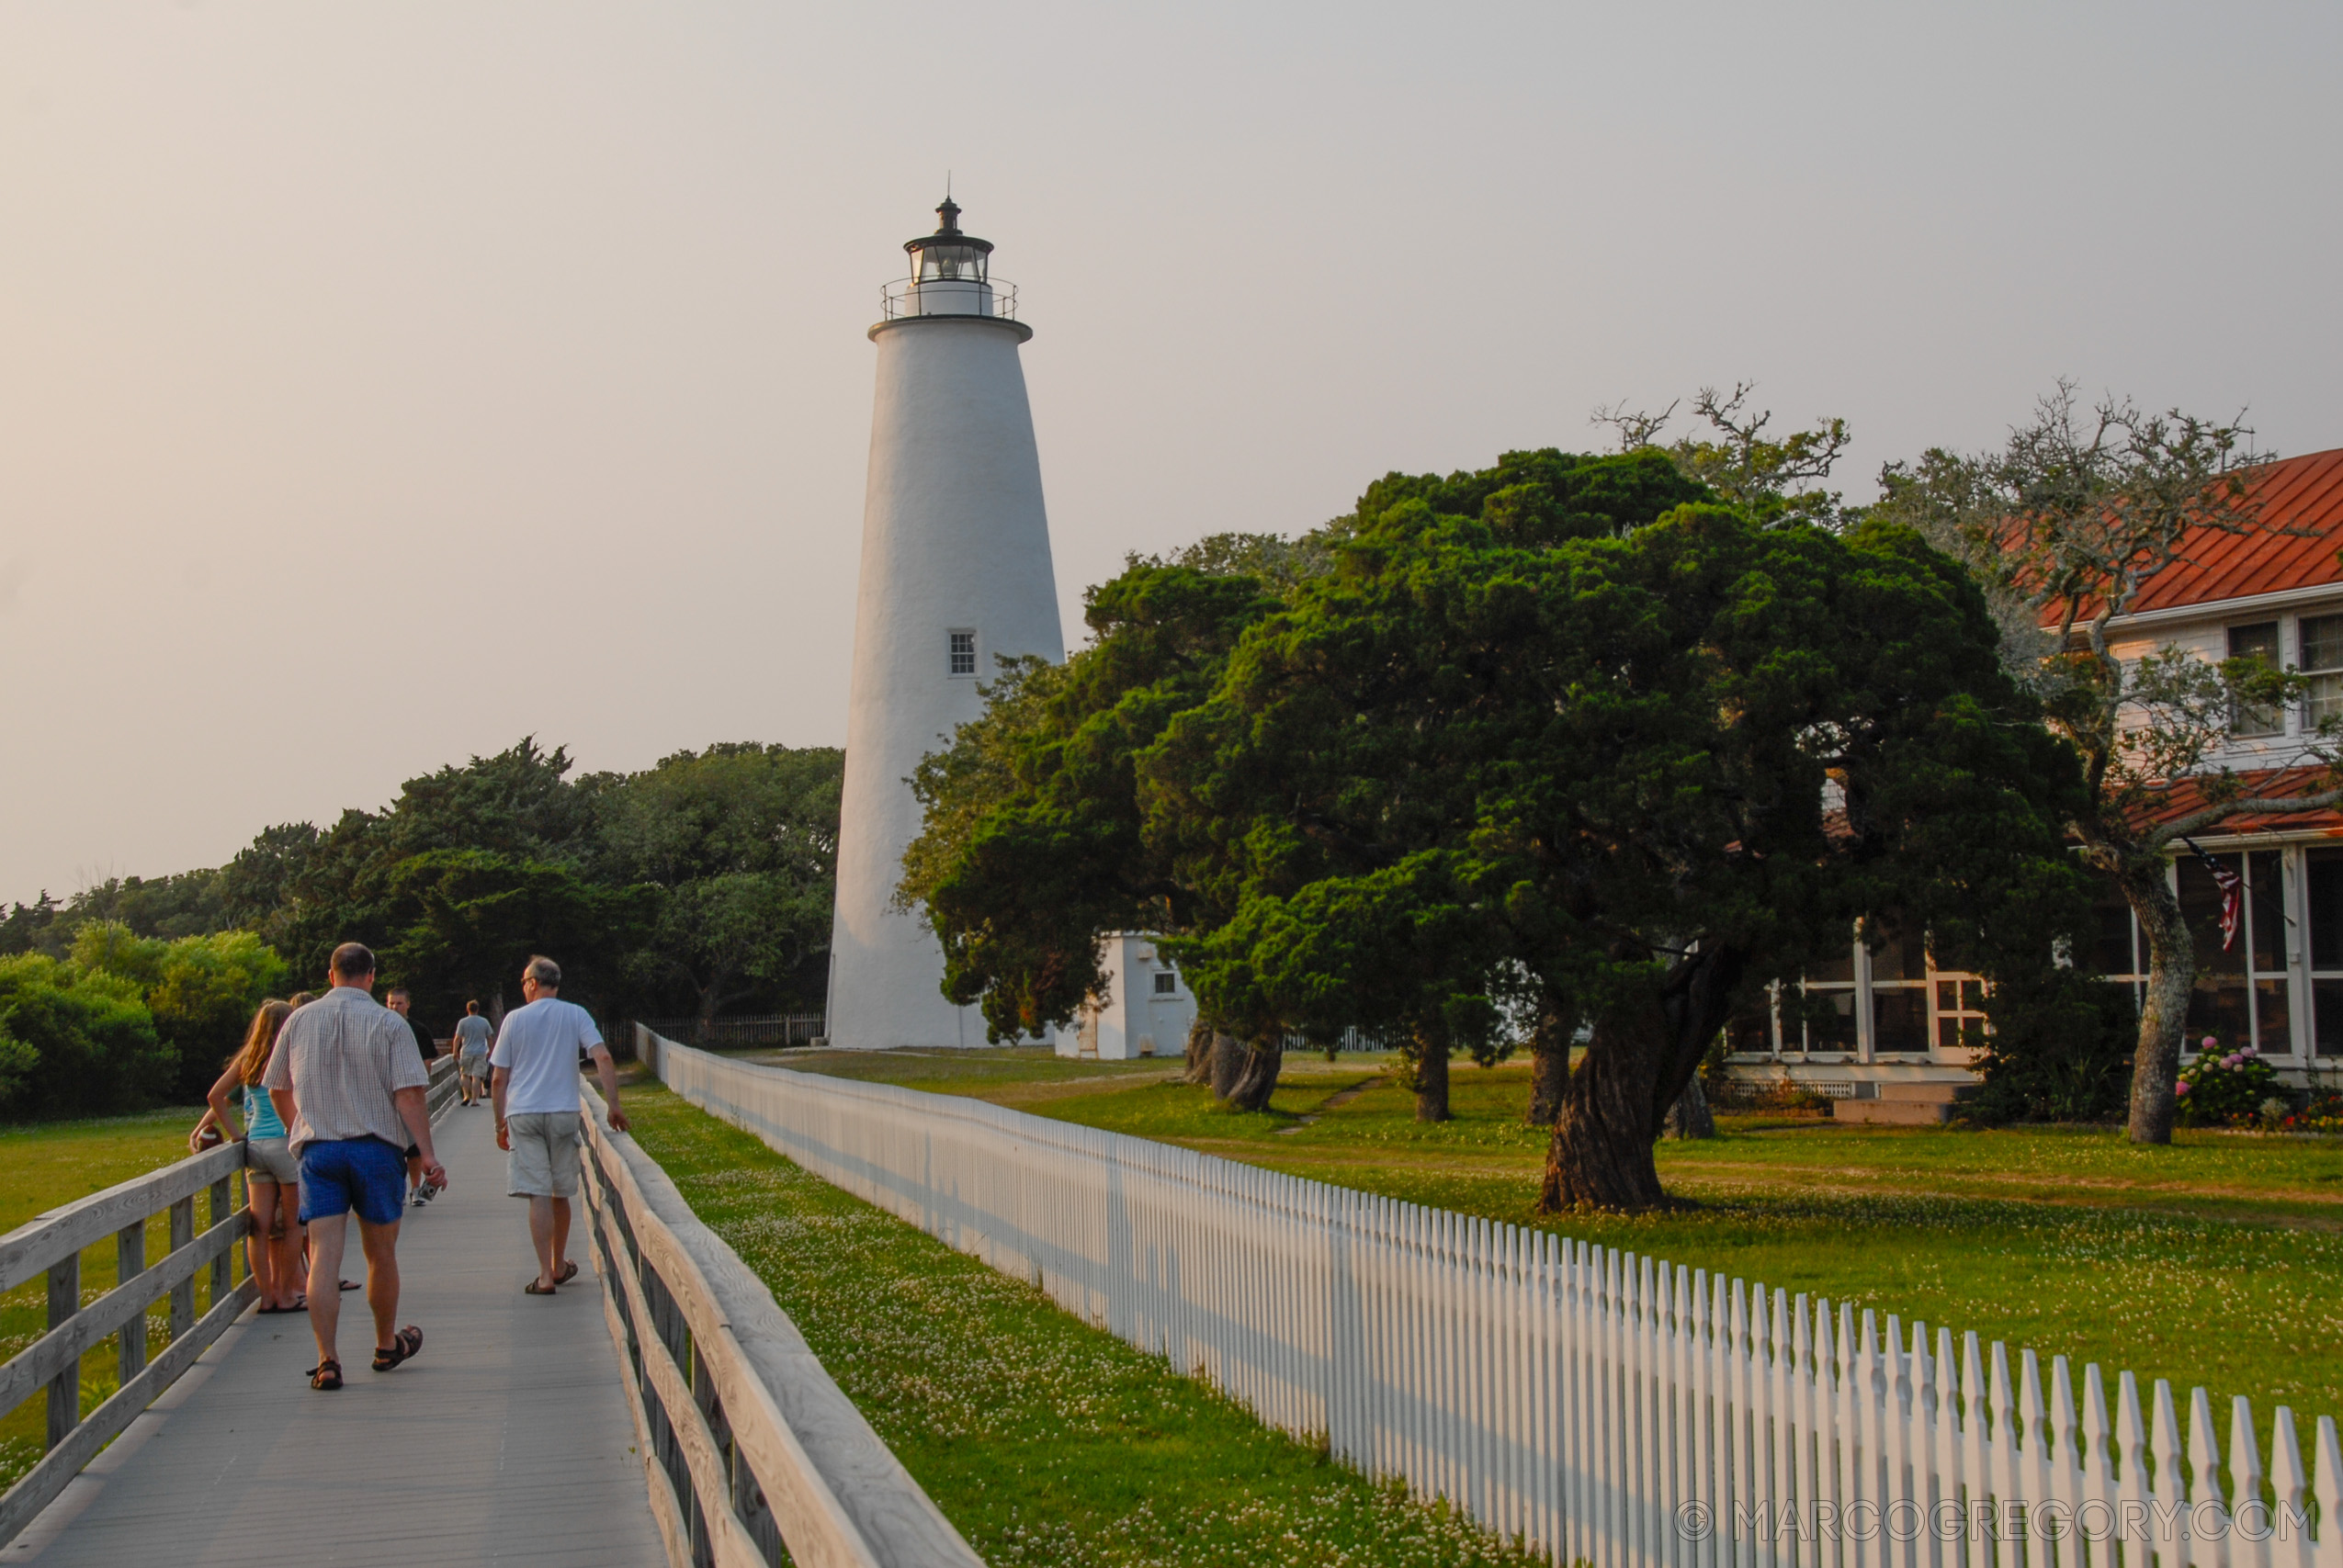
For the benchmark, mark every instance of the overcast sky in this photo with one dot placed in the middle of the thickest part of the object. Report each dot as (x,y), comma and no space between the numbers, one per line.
(379,383)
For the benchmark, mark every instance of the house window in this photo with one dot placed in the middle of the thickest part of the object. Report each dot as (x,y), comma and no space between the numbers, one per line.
(2257,641)
(2323,663)
(2322,871)
(1898,989)
(963,653)
(2241,992)
(1166,983)
(1960,1012)
(1829,994)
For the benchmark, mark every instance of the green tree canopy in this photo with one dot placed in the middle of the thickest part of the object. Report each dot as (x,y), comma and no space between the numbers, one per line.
(76,1041)
(1634,777)
(200,991)
(740,843)
(1636,771)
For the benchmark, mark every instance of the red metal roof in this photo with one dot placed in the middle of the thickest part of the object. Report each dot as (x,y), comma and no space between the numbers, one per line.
(2302,502)
(2184,795)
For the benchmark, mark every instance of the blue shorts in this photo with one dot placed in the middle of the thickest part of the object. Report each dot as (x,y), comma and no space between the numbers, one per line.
(365,1174)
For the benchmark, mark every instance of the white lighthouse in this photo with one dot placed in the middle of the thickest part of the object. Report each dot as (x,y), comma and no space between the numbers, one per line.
(955,571)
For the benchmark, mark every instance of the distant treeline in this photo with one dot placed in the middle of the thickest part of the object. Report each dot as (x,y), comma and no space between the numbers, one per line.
(699,886)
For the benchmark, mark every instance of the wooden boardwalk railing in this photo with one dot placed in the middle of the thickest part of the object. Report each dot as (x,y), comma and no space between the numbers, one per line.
(54,1242)
(748,1446)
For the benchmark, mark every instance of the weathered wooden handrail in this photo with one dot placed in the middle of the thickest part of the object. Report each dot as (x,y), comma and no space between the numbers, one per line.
(53,1242)
(444,1086)
(748,1444)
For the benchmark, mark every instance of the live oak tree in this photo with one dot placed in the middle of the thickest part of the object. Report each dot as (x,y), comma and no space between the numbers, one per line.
(2067,526)
(1035,839)
(1505,751)
(1646,774)
(1040,834)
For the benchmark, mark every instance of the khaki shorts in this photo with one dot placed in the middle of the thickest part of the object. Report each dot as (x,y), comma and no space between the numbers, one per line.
(271,1160)
(544,1159)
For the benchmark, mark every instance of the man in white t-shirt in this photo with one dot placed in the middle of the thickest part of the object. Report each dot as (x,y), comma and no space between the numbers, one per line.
(533,1080)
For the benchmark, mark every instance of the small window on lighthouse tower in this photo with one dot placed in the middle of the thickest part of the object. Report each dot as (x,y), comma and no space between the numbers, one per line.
(963,650)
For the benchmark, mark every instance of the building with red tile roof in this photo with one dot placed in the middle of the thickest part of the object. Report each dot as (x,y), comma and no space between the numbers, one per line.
(1891,1039)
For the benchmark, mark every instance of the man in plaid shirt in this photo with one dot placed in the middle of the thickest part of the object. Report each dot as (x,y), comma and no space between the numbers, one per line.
(349,1085)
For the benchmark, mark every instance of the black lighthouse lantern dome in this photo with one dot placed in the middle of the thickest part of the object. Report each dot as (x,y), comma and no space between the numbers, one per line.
(948,255)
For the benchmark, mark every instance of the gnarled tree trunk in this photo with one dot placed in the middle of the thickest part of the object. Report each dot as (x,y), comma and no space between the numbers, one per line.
(1549,1067)
(1636,1065)
(1228,1063)
(1199,1054)
(2163,1014)
(1688,1117)
(1432,1081)
(1256,1076)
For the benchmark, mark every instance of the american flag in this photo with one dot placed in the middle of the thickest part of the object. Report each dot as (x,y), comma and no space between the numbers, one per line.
(2232,895)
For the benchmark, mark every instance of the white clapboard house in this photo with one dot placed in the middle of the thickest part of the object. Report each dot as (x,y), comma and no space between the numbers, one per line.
(1890,1046)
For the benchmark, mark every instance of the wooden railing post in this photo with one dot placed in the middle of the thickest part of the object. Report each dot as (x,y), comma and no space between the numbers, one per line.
(65,1388)
(222,1195)
(130,1261)
(182,1293)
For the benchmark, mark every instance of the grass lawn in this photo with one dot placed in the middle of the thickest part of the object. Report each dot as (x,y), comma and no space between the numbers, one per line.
(1044,1441)
(47,1164)
(2217,1261)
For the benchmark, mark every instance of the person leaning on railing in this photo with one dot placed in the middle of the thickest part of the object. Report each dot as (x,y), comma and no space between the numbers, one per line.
(272,1180)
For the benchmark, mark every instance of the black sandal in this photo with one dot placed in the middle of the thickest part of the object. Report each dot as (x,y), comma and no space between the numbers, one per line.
(403,1346)
(326,1376)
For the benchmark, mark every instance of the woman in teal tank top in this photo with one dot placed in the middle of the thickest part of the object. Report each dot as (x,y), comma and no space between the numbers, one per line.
(272,1180)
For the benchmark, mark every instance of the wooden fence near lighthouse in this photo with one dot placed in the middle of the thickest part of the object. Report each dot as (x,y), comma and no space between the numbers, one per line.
(1601,1406)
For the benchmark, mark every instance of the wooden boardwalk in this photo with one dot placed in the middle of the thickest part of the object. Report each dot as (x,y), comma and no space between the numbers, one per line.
(506,1441)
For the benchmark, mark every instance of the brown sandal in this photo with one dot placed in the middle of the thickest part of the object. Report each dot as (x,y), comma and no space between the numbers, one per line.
(403,1346)
(534,1289)
(326,1376)
(569,1272)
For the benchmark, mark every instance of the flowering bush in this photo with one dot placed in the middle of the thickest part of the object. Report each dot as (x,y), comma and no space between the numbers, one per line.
(2223,1089)
(2322,1112)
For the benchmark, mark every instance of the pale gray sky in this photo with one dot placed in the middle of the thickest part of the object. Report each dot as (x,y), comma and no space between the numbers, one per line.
(379,383)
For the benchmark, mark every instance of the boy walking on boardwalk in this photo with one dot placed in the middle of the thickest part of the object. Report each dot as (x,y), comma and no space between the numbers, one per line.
(472,1035)
(348,1082)
(533,1080)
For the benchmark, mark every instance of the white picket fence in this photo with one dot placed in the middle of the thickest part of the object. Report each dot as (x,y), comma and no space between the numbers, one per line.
(1600,1405)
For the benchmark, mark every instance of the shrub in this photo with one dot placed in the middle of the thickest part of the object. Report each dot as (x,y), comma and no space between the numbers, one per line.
(2321,1111)
(75,1042)
(2060,1050)
(2226,1088)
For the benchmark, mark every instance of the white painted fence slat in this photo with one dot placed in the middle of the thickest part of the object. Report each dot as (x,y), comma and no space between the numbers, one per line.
(1589,1401)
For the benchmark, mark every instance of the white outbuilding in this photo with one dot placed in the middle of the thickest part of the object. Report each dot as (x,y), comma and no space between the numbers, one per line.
(1146,1005)
(955,572)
